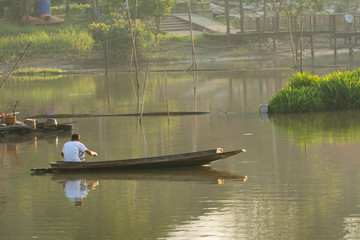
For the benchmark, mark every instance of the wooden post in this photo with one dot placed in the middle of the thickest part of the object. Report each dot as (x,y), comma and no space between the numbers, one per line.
(295,27)
(67,8)
(334,36)
(143,98)
(265,14)
(277,21)
(133,45)
(227,17)
(275,30)
(350,43)
(331,28)
(258,32)
(167,98)
(241,16)
(301,46)
(314,23)
(312,49)
(194,67)
(350,40)
(106,55)
(291,35)
(355,37)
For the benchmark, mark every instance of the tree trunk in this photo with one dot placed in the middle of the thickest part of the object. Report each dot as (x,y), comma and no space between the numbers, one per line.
(227,17)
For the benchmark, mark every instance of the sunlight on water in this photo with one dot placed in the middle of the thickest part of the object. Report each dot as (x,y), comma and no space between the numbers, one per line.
(297,180)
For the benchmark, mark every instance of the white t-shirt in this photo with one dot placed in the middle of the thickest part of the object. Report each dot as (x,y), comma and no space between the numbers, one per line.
(73,151)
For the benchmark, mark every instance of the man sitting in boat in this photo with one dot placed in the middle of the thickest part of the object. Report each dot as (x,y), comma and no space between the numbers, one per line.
(74,150)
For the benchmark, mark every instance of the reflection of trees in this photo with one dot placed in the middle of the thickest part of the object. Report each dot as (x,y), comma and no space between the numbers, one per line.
(328,191)
(316,127)
(94,94)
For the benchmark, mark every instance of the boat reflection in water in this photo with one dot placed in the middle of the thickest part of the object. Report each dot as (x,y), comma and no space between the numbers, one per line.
(77,189)
(186,174)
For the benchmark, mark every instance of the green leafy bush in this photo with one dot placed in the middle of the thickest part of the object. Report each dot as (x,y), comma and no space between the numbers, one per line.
(118,35)
(73,9)
(309,93)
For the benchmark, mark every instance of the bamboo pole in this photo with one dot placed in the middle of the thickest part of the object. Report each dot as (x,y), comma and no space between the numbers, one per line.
(291,36)
(312,49)
(133,45)
(143,97)
(132,32)
(301,46)
(106,56)
(107,91)
(227,17)
(333,22)
(22,55)
(166,89)
(258,29)
(195,90)
(144,140)
(193,66)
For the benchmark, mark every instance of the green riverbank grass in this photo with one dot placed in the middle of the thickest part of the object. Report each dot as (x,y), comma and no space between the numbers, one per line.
(311,93)
(38,72)
(60,38)
(68,41)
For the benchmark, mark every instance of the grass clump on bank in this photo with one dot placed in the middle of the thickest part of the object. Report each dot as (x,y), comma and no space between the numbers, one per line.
(39,72)
(311,93)
(63,41)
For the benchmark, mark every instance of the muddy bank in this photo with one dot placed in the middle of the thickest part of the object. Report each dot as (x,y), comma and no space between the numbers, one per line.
(95,62)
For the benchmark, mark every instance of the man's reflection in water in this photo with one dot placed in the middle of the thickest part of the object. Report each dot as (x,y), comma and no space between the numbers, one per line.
(77,190)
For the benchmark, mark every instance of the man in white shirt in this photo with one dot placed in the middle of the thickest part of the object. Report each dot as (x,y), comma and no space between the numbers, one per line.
(74,150)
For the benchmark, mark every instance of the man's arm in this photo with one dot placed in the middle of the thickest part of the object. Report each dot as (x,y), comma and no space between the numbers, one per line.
(62,154)
(91,153)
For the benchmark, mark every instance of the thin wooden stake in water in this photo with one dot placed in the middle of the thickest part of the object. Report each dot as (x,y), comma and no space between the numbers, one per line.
(133,45)
(22,55)
(166,89)
(106,56)
(143,98)
(193,66)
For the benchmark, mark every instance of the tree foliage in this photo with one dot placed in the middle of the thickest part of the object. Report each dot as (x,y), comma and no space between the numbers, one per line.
(153,10)
(117,34)
(141,9)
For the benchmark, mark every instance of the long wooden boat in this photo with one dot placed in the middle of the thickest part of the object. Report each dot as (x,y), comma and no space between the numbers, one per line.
(177,160)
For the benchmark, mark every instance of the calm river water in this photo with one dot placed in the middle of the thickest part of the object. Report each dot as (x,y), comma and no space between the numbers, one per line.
(303,171)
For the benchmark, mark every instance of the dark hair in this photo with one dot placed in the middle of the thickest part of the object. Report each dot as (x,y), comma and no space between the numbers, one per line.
(75,136)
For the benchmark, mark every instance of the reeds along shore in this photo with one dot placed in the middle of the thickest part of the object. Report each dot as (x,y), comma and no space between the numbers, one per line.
(311,93)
